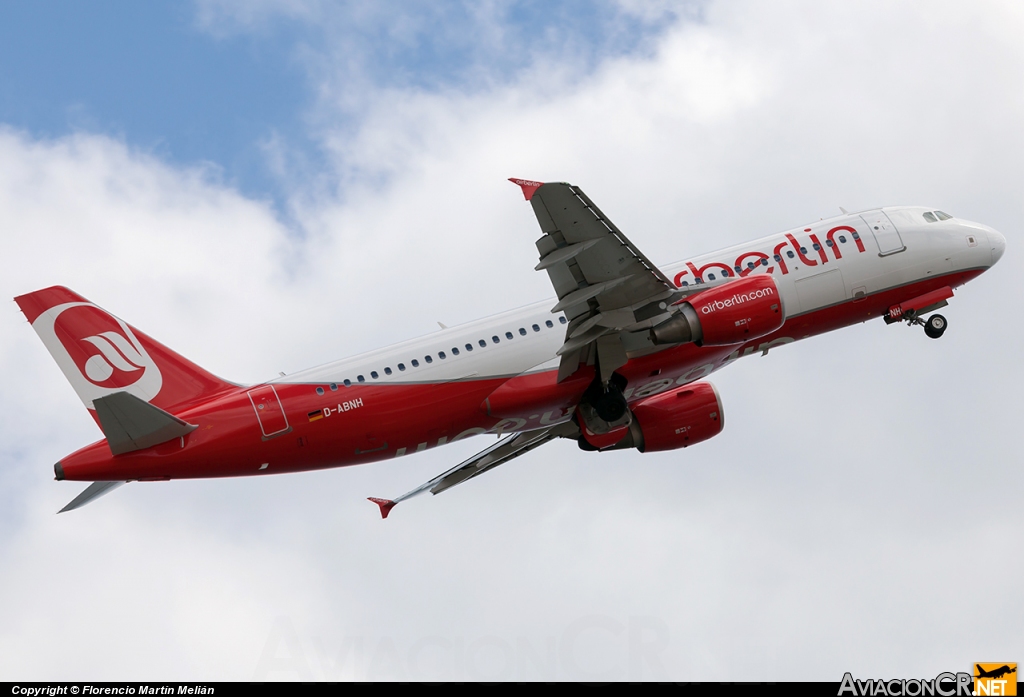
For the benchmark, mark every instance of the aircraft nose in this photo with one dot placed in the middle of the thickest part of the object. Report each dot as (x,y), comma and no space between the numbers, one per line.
(998,244)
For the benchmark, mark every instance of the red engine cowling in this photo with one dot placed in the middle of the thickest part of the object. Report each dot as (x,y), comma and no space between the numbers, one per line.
(732,313)
(676,419)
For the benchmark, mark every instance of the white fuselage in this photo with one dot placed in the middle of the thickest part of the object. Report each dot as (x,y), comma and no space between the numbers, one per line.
(809,279)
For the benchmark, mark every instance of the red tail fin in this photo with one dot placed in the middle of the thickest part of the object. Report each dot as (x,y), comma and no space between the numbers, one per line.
(99,354)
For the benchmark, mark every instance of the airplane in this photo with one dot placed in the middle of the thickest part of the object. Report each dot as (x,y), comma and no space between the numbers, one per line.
(995,673)
(618,361)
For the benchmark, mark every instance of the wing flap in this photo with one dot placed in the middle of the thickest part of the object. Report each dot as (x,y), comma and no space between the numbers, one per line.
(605,285)
(564,254)
(581,295)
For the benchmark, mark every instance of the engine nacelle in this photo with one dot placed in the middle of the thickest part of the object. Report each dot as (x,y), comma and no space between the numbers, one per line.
(686,415)
(732,313)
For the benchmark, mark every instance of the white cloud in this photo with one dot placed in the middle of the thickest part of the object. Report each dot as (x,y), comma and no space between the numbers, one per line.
(855,514)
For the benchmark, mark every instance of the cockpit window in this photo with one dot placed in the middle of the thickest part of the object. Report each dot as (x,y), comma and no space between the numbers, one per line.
(943,216)
(936,216)
(930,217)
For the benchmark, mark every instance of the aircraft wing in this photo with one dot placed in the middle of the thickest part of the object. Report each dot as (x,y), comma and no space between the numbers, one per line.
(91,493)
(605,285)
(501,452)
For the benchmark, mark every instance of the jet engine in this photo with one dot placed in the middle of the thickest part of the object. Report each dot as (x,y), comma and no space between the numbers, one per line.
(686,415)
(731,313)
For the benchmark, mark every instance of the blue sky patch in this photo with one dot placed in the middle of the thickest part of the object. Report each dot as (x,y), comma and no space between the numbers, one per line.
(154,76)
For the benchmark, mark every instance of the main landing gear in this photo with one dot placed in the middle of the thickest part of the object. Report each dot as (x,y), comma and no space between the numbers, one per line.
(603,408)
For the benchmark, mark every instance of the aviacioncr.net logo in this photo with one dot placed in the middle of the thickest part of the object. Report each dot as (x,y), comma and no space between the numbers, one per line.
(98,353)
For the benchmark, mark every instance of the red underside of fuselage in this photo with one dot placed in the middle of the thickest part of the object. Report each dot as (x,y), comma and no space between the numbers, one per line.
(394,419)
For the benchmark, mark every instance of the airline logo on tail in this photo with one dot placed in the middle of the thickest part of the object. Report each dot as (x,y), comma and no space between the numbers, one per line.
(97,352)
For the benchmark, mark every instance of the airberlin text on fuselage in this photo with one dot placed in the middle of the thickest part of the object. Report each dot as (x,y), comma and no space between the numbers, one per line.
(748,262)
(736,300)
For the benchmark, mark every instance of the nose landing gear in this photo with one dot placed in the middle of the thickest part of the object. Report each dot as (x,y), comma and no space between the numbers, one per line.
(934,326)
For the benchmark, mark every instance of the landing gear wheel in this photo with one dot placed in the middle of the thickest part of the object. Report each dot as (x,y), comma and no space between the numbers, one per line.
(935,326)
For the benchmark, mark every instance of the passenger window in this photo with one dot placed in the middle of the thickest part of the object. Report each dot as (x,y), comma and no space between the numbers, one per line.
(522,332)
(401,366)
(440,354)
(817,247)
(711,276)
(789,253)
(428,359)
(686,283)
(415,363)
(750,264)
(856,236)
(469,347)
(373,374)
(387,370)
(455,351)
(334,386)
(803,250)
(549,324)
(778,257)
(483,344)
(320,390)
(738,269)
(929,217)
(725,274)
(842,238)
(764,262)
(360,378)
(561,320)
(495,339)
(508,335)
(347,382)
(829,243)
(536,328)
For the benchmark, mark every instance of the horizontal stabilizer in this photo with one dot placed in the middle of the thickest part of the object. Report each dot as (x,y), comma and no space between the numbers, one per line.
(91,493)
(130,423)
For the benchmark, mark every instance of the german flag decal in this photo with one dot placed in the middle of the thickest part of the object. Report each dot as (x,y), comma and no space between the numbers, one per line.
(316,415)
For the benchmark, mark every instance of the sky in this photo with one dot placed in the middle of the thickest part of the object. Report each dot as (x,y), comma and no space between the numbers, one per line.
(266,186)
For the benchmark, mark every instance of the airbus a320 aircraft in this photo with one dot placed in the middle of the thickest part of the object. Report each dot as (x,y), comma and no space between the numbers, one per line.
(618,361)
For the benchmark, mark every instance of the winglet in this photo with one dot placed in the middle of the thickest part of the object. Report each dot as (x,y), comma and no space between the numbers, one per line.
(385,506)
(528,187)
